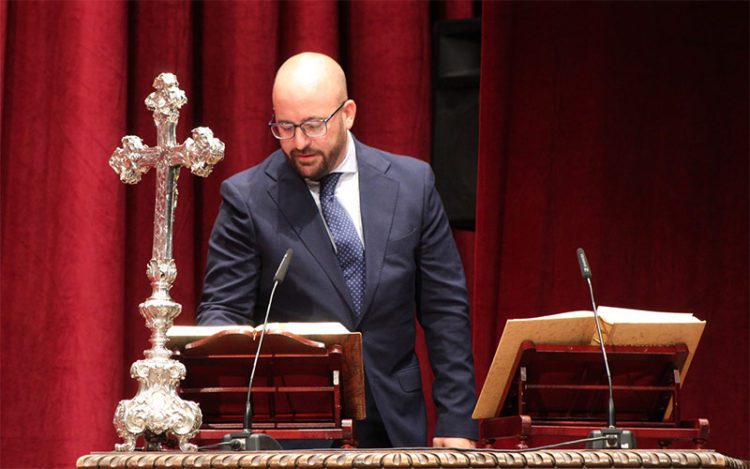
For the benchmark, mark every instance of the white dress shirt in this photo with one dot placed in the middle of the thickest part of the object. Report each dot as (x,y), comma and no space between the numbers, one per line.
(347,189)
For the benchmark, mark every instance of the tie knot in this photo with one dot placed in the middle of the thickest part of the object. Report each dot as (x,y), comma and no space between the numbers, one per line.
(328,184)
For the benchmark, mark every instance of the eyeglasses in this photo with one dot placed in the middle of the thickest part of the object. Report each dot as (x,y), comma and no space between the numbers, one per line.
(313,128)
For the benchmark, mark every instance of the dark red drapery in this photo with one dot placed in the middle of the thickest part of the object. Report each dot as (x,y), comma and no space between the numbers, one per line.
(621,128)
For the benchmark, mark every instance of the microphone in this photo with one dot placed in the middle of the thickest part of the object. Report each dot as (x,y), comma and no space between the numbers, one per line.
(248,440)
(283,267)
(583,263)
(615,438)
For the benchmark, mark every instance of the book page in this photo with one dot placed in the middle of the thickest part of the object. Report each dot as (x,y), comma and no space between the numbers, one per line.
(638,327)
(308,328)
(638,316)
(180,335)
(620,326)
(575,328)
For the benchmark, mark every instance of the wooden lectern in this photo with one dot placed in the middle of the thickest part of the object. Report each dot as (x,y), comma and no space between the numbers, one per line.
(305,387)
(561,391)
(548,378)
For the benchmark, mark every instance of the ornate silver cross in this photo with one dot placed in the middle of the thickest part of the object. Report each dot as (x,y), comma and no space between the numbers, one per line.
(157,410)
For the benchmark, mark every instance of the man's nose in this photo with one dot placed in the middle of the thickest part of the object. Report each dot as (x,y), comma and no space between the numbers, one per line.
(301,141)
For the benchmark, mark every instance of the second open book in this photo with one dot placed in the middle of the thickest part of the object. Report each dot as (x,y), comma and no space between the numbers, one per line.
(620,326)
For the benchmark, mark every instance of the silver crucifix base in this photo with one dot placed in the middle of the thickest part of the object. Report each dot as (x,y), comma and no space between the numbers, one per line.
(157,411)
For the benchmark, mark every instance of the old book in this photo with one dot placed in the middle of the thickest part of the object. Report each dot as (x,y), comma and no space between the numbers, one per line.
(620,326)
(181,335)
(328,333)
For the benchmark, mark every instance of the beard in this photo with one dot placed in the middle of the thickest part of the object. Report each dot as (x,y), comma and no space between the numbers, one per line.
(310,164)
(315,163)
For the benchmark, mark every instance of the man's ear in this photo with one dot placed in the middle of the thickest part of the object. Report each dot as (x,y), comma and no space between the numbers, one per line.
(350,111)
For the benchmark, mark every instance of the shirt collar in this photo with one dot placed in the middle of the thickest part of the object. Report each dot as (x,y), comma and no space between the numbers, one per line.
(349,165)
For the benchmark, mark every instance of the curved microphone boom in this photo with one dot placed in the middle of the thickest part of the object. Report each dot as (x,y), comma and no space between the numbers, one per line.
(583,263)
(616,438)
(260,441)
(277,279)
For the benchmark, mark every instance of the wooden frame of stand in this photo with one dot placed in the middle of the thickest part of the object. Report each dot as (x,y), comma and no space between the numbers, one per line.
(561,391)
(299,390)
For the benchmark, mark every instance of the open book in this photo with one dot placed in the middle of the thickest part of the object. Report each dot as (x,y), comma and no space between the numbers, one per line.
(181,335)
(620,326)
(347,343)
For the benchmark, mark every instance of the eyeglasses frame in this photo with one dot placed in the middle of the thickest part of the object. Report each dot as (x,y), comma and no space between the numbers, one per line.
(325,121)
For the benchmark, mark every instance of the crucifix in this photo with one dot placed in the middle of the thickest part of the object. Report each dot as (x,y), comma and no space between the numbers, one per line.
(156,410)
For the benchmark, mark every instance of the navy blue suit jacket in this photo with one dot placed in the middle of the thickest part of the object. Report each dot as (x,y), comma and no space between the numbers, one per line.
(412,266)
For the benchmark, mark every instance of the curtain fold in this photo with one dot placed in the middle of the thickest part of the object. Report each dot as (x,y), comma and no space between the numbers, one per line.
(494,109)
(63,263)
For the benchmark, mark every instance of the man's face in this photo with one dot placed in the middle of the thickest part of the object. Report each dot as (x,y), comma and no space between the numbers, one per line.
(314,158)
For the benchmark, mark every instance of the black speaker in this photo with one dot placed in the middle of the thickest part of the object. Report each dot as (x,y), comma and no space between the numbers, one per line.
(455,127)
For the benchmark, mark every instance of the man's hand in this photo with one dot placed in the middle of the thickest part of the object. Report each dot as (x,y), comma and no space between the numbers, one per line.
(449,442)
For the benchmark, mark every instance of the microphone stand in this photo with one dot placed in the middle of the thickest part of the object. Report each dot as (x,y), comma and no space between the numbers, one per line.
(615,438)
(248,440)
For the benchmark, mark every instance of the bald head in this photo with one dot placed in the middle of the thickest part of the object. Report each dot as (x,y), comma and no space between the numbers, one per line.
(310,74)
(311,88)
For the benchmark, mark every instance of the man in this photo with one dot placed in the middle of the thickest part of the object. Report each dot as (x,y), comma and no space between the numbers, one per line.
(371,246)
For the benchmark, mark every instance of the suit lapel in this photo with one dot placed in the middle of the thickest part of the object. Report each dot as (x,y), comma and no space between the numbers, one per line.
(377,199)
(291,195)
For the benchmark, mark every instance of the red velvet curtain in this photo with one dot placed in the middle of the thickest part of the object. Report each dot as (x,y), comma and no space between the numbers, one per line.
(618,127)
(621,128)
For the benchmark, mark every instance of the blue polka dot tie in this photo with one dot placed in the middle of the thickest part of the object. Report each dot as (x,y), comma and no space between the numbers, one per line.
(349,249)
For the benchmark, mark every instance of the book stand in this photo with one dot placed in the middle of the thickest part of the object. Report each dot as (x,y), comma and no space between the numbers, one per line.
(303,389)
(561,391)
